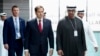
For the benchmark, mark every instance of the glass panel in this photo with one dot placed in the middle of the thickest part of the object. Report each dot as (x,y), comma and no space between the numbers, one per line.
(51,9)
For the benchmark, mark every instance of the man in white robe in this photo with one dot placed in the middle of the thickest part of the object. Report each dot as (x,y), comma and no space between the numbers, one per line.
(3,51)
(87,29)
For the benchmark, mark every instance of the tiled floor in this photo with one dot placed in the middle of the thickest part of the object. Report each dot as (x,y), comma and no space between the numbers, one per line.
(91,51)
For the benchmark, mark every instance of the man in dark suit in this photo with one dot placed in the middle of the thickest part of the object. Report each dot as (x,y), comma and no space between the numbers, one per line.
(13,33)
(37,35)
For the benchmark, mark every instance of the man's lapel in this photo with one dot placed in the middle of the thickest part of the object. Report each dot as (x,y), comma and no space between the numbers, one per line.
(36,25)
(44,25)
(12,23)
(20,24)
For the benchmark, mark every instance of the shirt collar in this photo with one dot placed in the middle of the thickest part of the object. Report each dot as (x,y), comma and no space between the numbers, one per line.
(39,19)
(15,17)
(79,17)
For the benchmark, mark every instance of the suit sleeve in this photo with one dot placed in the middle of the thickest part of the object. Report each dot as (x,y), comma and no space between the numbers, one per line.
(58,38)
(51,36)
(27,35)
(83,38)
(5,32)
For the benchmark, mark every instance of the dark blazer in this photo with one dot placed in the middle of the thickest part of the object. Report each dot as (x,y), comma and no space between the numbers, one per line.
(9,35)
(34,39)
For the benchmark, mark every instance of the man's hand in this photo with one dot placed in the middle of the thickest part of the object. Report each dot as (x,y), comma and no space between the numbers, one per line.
(6,46)
(27,53)
(96,49)
(60,52)
(84,53)
(50,52)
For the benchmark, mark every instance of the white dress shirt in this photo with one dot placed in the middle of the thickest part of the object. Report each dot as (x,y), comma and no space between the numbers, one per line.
(41,22)
(18,33)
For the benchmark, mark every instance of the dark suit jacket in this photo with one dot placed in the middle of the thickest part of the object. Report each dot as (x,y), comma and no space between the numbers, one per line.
(34,39)
(9,35)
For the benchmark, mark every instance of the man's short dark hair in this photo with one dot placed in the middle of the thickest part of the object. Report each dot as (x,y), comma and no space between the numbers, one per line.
(38,7)
(15,6)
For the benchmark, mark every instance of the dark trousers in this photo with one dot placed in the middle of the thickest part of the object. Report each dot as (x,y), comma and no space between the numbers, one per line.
(40,53)
(18,49)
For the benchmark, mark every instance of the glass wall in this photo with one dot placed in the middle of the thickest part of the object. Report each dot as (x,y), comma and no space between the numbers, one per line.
(23,5)
(56,10)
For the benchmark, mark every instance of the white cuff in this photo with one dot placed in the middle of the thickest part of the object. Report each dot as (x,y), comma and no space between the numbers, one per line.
(51,49)
(26,50)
